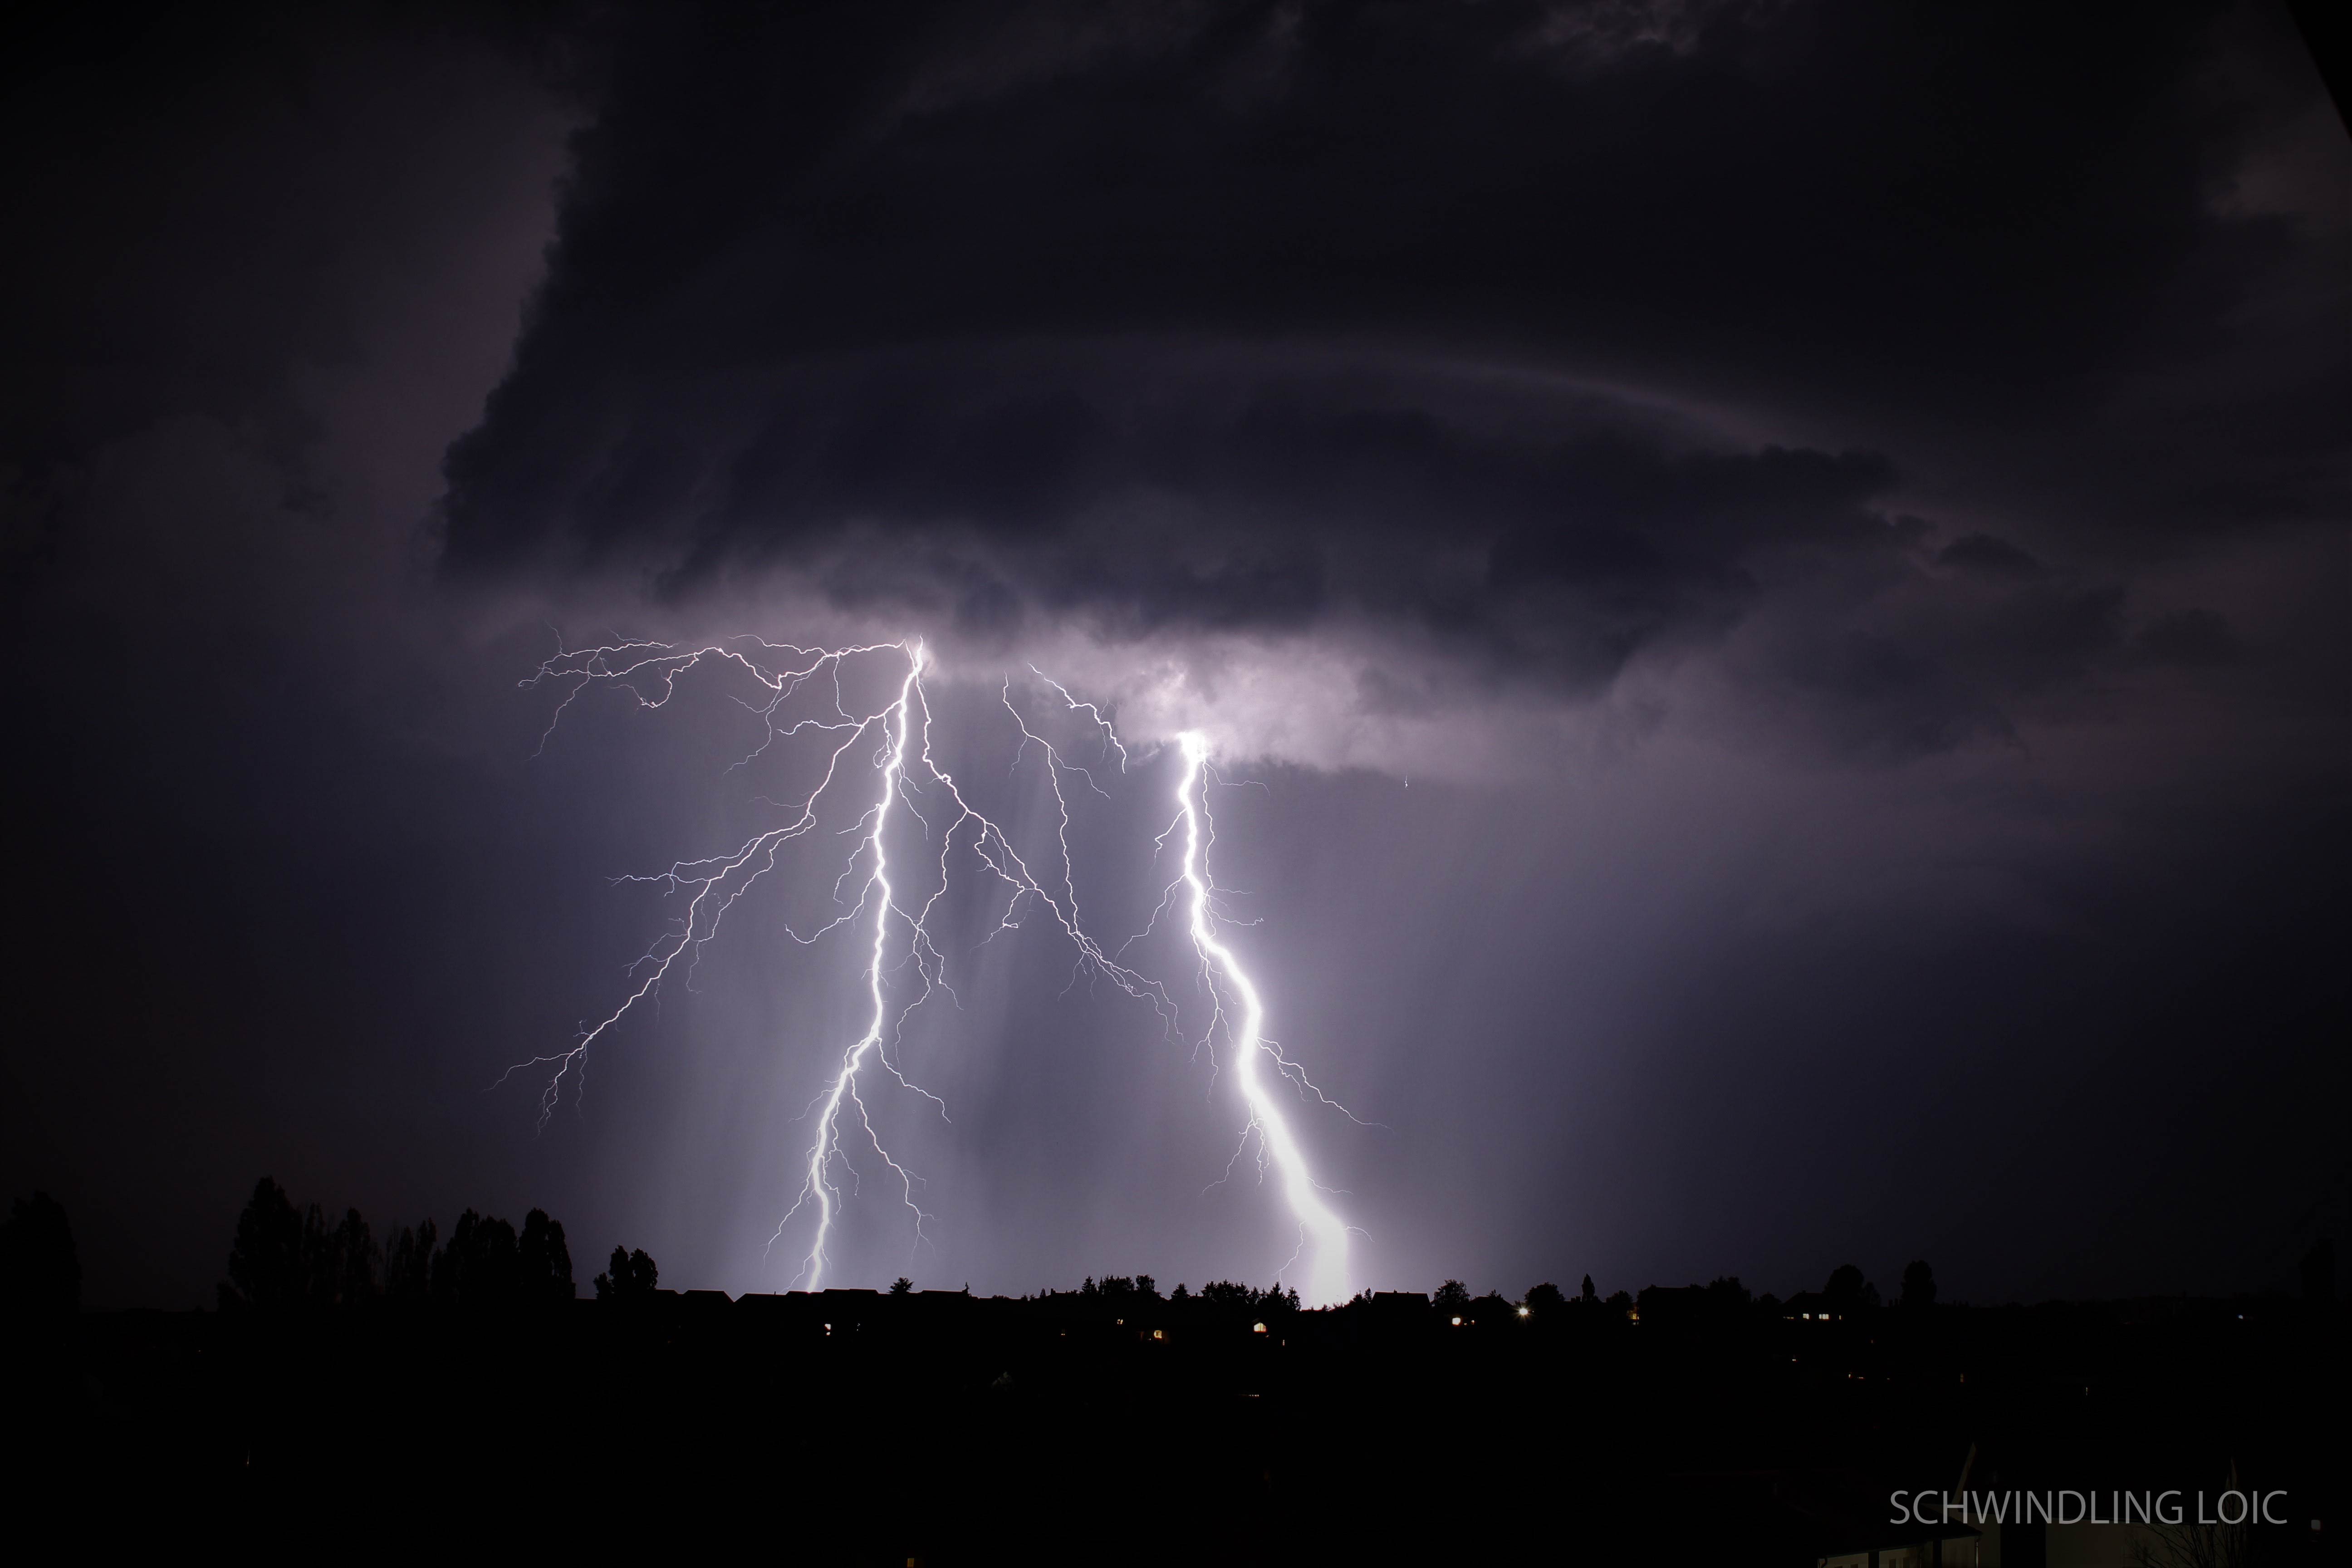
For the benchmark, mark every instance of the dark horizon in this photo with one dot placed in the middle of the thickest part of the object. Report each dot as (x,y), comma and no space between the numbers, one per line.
(1834,1427)
(1770,582)
(290,1256)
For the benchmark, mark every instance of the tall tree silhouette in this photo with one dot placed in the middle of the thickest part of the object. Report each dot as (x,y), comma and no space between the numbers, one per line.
(267,1266)
(1919,1284)
(631,1276)
(546,1260)
(480,1267)
(1848,1289)
(1226,1294)
(352,1273)
(408,1264)
(284,1256)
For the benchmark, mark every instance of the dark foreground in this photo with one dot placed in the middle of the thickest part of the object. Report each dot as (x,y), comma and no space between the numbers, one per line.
(941,1428)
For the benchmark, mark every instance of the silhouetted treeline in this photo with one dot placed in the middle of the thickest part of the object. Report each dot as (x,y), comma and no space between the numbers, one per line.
(1700,1421)
(284,1257)
(1846,1293)
(1725,1299)
(631,1276)
(1221,1296)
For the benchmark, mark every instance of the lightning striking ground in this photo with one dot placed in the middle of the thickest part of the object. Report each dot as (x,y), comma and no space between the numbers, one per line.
(1322,1236)
(909,779)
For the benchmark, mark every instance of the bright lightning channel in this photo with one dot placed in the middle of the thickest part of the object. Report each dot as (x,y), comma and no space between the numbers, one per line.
(844,1083)
(1322,1236)
(906,771)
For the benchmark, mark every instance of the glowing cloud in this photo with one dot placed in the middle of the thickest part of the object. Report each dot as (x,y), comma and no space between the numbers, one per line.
(908,780)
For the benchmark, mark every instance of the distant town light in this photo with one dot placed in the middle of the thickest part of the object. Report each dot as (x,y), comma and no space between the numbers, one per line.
(1523,1311)
(1260,1328)
(1457,1322)
(1158,1334)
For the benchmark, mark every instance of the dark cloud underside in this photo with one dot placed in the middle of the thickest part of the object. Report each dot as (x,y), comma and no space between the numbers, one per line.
(1156,320)
(1838,510)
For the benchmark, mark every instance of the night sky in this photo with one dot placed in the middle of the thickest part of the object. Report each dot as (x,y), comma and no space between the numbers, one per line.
(1770,579)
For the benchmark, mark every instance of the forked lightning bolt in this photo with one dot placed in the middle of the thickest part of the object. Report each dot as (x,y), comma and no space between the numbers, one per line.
(909,778)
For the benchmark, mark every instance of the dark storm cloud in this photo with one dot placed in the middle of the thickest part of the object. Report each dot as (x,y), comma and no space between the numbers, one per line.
(1935,200)
(2190,637)
(1154,490)
(261,265)
(1992,557)
(1835,508)
(1048,315)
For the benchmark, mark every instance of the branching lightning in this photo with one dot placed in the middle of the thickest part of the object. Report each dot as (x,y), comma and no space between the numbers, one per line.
(909,778)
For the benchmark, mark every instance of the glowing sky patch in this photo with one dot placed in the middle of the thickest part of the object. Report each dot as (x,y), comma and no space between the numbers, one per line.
(908,779)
